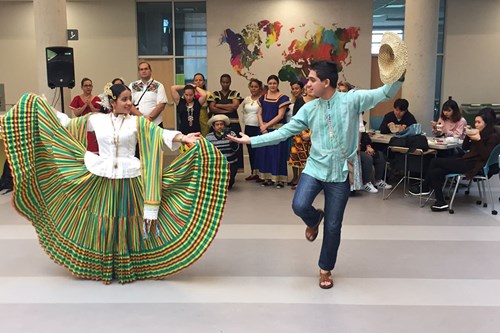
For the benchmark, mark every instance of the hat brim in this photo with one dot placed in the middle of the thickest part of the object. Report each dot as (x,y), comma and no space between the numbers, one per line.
(215,118)
(392,58)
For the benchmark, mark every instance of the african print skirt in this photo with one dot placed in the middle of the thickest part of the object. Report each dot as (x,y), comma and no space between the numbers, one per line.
(299,151)
(92,225)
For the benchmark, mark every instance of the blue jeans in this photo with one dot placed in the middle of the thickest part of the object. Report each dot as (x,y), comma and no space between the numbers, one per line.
(336,195)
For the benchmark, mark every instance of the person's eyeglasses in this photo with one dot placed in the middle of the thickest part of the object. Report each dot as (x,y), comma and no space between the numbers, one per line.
(88,85)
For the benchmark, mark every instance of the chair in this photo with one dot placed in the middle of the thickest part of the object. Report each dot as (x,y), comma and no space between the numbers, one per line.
(375,122)
(481,178)
(407,173)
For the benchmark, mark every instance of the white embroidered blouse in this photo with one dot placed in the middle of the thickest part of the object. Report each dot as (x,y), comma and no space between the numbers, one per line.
(117,139)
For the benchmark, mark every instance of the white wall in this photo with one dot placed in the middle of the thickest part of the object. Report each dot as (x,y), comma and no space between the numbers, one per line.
(17,44)
(107,47)
(472,51)
(236,14)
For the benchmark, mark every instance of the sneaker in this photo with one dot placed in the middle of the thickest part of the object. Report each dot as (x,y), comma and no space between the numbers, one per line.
(439,206)
(381,184)
(279,185)
(415,190)
(368,187)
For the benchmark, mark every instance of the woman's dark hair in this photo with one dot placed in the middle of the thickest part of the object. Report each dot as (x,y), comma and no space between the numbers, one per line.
(273,77)
(450,104)
(225,76)
(346,84)
(117,81)
(83,81)
(259,82)
(326,70)
(189,87)
(116,90)
(204,87)
(489,118)
(299,83)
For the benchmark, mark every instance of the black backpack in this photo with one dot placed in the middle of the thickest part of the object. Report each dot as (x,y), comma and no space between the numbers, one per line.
(413,142)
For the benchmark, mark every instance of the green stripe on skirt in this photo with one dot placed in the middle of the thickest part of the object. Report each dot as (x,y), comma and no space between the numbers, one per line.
(93,225)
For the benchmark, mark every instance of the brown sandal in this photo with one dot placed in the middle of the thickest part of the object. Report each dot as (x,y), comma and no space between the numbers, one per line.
(312,232)
(325,280)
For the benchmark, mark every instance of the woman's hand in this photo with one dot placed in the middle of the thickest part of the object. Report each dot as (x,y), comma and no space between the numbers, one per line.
(191,138)
(475,137)
(245,139)
(263,128)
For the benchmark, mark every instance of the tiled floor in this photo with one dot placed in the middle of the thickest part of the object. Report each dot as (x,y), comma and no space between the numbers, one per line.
(401,268)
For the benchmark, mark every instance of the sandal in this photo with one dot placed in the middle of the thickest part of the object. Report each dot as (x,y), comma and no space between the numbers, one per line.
(325,280)
(312,232)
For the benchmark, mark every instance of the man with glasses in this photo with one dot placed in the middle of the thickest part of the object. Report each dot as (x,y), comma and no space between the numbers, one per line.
(148,95)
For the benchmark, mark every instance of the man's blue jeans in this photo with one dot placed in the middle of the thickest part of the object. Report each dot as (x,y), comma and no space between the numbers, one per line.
(336,196)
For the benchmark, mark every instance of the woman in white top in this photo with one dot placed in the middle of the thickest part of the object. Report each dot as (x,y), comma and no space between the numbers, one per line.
(113,216)
(250,107)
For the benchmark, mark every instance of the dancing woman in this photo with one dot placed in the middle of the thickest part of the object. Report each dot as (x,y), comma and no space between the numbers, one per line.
(113,216)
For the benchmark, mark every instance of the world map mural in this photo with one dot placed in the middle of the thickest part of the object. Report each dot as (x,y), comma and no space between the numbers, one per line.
(248,46)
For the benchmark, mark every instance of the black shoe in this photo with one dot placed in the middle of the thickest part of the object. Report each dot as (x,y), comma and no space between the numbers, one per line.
(267,183)
(439,206)
(415,190)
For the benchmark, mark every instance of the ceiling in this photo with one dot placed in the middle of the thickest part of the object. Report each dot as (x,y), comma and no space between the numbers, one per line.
(390,14)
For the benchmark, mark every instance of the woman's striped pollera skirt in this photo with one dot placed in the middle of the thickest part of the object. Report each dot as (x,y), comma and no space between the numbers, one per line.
(93,225)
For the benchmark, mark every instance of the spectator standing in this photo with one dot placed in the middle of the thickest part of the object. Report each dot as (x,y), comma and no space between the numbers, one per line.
(148,95)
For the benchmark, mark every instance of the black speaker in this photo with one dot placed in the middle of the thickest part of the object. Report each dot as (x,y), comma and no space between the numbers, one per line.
(60,67)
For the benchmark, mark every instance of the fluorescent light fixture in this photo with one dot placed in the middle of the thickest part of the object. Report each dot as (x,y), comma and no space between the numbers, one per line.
(395,6)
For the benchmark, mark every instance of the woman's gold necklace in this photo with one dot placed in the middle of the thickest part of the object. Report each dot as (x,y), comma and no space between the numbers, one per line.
(116,138)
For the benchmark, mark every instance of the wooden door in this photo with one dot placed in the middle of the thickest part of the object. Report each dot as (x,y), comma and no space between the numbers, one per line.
(163,71)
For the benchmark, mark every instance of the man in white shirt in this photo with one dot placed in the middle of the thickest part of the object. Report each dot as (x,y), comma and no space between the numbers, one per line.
(149,95)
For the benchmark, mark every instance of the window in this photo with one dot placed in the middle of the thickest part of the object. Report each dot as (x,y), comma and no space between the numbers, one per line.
(174,30)
(389,15)
(154,28)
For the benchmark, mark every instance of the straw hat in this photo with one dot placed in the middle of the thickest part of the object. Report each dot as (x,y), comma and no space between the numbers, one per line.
(392,58)
(218,117)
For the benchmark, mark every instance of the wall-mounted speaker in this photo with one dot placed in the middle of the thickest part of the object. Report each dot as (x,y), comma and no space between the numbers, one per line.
(60,67)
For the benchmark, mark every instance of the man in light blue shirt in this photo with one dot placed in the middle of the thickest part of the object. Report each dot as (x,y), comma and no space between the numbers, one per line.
(334,121)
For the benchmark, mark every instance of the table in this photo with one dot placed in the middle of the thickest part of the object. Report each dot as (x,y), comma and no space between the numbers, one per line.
(434,143)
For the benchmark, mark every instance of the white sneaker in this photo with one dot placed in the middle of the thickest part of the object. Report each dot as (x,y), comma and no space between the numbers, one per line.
(382,185)
(368,187)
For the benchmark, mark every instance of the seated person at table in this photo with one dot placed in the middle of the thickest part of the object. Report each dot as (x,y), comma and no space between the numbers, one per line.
(371,158)
(451,122)
(479,143)
(401,118)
